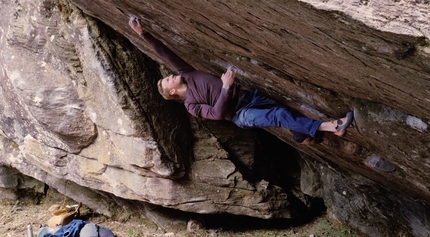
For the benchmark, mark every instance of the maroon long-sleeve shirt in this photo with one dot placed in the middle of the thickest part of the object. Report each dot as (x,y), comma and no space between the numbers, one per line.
(205,97)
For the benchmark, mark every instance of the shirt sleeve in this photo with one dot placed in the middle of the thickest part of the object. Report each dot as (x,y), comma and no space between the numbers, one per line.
(217,112)
(164,52)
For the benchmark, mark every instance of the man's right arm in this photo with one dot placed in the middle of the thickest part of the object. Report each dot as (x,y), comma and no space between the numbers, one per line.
(217,112)
(220,110)
(162,50)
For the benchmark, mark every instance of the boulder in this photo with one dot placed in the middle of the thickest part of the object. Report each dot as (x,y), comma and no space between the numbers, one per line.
(80,107)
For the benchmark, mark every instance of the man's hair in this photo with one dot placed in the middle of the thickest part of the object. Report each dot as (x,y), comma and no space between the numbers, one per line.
(165,92)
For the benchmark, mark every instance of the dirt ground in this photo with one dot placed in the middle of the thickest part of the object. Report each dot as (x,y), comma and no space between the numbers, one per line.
(15,216)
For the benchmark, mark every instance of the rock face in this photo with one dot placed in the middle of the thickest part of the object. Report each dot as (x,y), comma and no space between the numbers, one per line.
(80,109)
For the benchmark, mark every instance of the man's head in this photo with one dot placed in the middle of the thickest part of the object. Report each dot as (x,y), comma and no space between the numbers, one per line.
(170,87)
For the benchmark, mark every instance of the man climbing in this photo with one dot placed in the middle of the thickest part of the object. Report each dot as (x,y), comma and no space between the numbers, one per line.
(208,96)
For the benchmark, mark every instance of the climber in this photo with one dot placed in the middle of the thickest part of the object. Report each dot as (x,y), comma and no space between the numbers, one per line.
(208,96)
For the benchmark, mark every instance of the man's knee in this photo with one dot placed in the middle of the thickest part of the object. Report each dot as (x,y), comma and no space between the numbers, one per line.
(245,119)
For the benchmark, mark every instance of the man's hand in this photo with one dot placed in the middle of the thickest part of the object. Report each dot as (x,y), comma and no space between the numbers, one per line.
(228,78)
(135,25)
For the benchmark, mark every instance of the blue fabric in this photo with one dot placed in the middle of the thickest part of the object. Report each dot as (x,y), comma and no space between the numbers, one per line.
(257,111)
(70,230)
(45,232)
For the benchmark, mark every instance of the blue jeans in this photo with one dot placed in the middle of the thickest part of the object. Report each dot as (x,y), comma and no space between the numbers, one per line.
(257,111)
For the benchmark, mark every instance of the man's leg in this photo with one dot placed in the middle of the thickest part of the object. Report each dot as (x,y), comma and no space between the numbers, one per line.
(276,117)
(260,111)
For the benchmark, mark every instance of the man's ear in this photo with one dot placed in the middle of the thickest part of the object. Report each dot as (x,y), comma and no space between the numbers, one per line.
(172,91)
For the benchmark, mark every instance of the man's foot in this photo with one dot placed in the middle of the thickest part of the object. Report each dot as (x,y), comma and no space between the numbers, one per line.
(307,141)
(340,133)
(304,139)
(342,124)
(301,138)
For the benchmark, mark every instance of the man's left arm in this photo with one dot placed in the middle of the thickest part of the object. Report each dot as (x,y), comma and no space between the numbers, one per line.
(162,50)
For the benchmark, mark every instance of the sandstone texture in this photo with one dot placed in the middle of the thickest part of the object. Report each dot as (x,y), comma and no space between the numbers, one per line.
(80,111)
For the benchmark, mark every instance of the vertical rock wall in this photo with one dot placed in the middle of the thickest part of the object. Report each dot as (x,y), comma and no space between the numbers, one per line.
(79,104)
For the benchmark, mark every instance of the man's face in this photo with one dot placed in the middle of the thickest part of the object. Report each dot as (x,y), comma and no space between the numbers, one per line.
(171,82)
